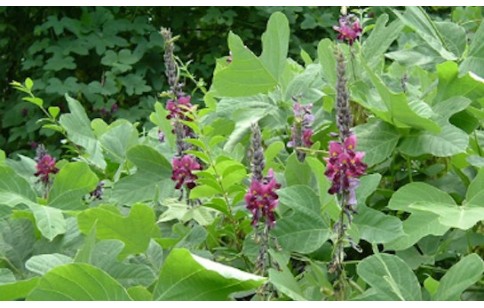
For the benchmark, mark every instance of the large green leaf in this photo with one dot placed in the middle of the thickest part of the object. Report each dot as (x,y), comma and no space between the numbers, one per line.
(304,230)
(421,197)
(17,238)
(121,135)
(377,139)
(460,276)
(400,112)
(245,76)
(78,128)
(376,227)
(297,173)
(73,182)
(49,220)
(78,282)
(474,62)
(420,22)
(415,192)
(151,179)
(14,189)
(391,276)
(416,227)
(380,39)
(463,217)
(369,224)
(105,257)
(134,230)
(449,141)
(41,264)
(188,277)
(327,61)
(450,84)
(275,42)
(17,290)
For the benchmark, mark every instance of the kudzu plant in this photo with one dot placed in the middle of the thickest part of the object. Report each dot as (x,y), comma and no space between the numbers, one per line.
(353,175)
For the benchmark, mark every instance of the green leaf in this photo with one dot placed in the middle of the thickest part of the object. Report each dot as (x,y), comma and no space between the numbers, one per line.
(415,192)
(158,117)
(474,62)
(78,282)
(399,111)
(139,293)
(463,217)
(323,183)
(306,85)
(84,254)
(152,178)
(327,60)
(376,227)
(422,24)
(41,264)
(50,221)
(380,39)
(459,277)
(416,227)
(105,257)
(17,239)
(17,290)
(431,285)
(29,83)
(284,281)
(182,212)
(450,84)
(275,42)
(454,38)
(377,139)
(34,100)
(188,277)
(245,76)
(71,184)
(78,128)
(6,276)
(475,188)
(54,111)
(448,142)
(304,230)
(14,189)
(120,136)
(134,230)
(297,172)
(391,276)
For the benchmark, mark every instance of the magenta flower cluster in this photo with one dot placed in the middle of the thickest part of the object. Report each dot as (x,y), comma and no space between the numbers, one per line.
(349,28)
(183,168)
(179,107)
(45,165)
(262,199)
(344,166)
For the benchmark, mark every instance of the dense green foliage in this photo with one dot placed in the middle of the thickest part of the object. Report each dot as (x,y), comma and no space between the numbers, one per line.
(416,84)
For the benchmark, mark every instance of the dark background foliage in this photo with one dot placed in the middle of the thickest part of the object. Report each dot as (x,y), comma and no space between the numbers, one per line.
(111,58)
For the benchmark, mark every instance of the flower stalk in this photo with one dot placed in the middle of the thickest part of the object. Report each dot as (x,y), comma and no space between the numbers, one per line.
(261,200)
(344,167)
(179,107)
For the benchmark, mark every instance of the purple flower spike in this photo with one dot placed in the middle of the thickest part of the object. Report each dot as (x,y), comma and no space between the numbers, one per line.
(45,165)
(182,171)
(349,28)
(262,199)
(344,166)
(178,107)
